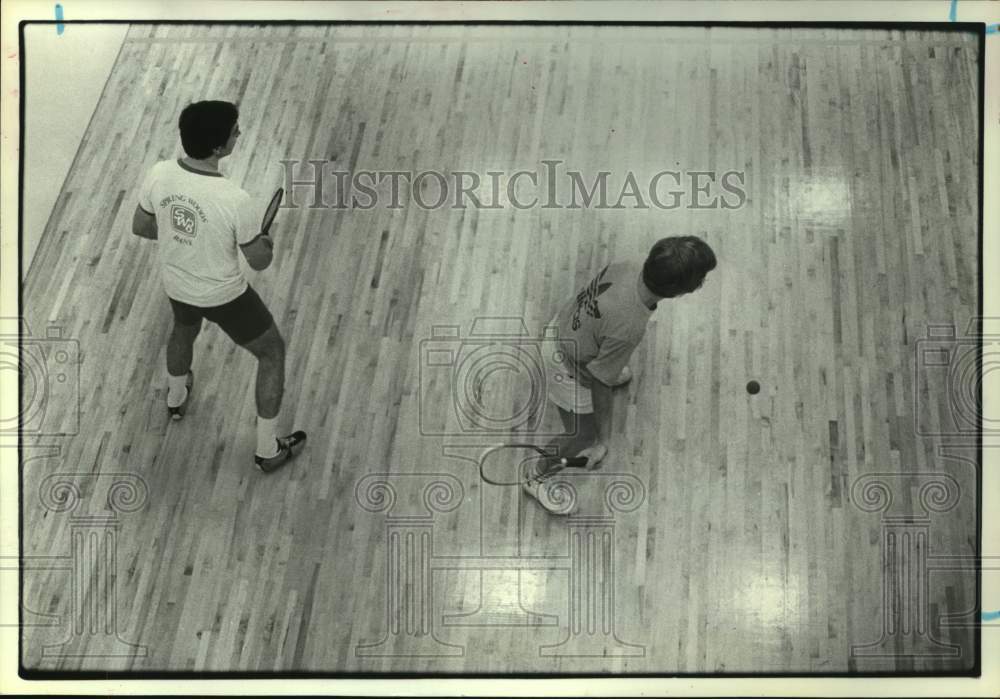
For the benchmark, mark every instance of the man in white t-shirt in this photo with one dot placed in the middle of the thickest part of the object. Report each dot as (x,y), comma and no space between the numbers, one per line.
(598,330)
(201,219)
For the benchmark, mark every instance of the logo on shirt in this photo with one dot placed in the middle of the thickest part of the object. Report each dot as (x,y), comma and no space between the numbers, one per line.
(586,300)
(183,220)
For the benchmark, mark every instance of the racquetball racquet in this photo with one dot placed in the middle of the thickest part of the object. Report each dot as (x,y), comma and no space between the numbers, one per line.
(271,211)
(527,458)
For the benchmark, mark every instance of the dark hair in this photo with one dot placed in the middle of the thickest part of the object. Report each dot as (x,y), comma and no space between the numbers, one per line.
(206,126)
(677,265)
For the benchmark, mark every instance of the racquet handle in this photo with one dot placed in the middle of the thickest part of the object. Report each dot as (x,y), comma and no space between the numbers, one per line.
(574,462)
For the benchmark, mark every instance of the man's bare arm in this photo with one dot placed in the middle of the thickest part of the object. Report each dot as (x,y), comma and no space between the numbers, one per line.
(144,224)
(259,252)
(603,407)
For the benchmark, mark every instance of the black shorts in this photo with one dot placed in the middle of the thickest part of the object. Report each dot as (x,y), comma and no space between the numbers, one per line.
(245,318)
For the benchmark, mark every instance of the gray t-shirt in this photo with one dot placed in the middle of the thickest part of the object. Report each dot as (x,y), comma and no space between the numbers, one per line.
(604,323)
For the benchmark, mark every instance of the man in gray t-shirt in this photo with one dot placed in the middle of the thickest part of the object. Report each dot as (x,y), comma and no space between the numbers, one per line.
(603,324)
(598,330)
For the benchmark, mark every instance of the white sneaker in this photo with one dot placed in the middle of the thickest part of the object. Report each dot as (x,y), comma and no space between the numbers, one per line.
(595,455)
(557,500)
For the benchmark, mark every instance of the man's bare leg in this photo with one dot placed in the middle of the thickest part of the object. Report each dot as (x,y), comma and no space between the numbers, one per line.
(580,433)
(269,349)
(180,355)
(180,348)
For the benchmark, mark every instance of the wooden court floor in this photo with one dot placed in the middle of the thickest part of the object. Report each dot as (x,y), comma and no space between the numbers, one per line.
(821,526)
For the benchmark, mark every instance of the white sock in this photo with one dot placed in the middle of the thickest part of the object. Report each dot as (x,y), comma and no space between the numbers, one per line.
(267,437)
(177,391)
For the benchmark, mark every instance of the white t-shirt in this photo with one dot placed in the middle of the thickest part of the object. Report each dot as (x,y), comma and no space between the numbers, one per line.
(201,218)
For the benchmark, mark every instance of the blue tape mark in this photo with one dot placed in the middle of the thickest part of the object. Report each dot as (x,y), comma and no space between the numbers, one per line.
(990,616)
(953,17)
(60,27)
